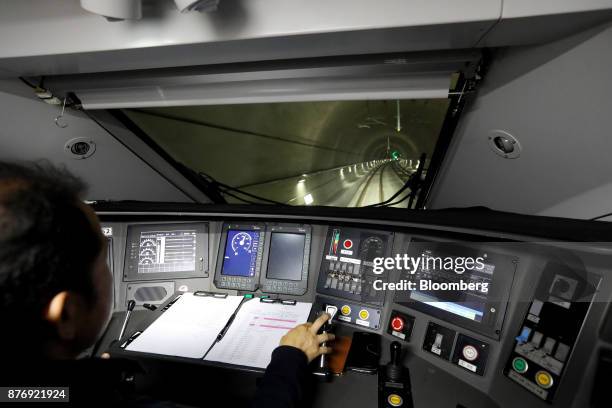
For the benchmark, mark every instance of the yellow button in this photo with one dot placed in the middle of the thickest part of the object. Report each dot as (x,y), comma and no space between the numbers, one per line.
(364,314)
(543,379)
(345,310)
(395,400)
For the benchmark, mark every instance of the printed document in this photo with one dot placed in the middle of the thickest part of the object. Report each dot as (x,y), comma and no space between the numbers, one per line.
(256,332)
(188,328)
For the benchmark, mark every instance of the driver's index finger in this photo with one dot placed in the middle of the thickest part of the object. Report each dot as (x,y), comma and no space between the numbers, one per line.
(317,324)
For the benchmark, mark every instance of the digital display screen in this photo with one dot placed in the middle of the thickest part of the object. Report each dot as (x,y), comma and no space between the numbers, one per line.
(466,303)
(167,251)
(240,256)
(286,257)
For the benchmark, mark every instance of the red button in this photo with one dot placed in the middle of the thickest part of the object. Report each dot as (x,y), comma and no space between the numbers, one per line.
(397,323)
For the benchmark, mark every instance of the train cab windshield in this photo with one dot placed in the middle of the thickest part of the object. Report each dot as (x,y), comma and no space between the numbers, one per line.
(330,153)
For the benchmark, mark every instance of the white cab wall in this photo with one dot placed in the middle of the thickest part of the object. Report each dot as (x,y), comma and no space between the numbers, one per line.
(28,132)
(557,100)
(63,38)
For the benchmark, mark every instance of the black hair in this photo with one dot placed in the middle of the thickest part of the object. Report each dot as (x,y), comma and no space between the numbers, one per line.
(47,244)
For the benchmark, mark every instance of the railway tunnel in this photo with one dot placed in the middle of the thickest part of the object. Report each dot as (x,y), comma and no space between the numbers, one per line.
(330,153)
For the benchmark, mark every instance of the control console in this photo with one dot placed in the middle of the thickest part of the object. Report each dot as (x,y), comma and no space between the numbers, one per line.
(394,389)
(550,329)
(347,266)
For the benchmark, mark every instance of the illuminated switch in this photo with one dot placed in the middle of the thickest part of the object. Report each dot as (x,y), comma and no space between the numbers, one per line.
(544,379)
(520,365)
(549,345)
(400,325)
(397,323)
(469,352)
(536,340)
(395,400)
(345,310)
(562,352)
(524,336)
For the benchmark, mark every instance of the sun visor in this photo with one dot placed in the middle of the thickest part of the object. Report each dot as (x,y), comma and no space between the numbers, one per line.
(282,90)
(417,77)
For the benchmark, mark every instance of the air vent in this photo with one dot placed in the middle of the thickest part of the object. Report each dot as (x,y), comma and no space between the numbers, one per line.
(150,294)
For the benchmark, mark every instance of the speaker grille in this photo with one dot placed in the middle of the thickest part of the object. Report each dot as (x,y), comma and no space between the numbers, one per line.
(150,293)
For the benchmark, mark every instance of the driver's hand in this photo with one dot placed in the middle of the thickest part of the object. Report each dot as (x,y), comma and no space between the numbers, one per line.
(305,338)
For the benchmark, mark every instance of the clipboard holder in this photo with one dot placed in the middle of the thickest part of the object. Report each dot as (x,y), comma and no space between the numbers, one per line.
(289,302)
(131,339)
(203,293)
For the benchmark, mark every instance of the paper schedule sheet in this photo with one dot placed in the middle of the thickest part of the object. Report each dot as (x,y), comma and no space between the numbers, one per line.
(188,328)
(256,332)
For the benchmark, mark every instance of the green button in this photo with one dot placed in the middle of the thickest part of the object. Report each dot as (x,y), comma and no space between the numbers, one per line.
(248,296)
(519,365)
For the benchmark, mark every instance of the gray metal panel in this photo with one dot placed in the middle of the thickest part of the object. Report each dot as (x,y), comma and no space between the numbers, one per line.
(555,99)
(252,30)
(113,173)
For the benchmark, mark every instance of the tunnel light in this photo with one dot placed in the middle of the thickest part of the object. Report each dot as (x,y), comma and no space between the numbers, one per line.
(308,199)
(349,170)
(185,6)
(114,10)
(301,181)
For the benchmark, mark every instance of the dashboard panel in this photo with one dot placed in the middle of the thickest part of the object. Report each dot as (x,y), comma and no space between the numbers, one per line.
(465,341)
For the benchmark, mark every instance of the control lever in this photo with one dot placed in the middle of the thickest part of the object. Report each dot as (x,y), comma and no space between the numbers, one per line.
(394,388)
(322,369)
(130,306)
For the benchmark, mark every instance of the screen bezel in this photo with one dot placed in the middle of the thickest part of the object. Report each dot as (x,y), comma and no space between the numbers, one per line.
(130,268)
(269,258)
(301,286)
(503,276)
(251,281)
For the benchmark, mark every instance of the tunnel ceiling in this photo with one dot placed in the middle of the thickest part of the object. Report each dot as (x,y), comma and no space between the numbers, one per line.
(255,143)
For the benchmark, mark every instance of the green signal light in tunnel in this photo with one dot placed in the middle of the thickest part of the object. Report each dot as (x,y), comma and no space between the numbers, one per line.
(395,155)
